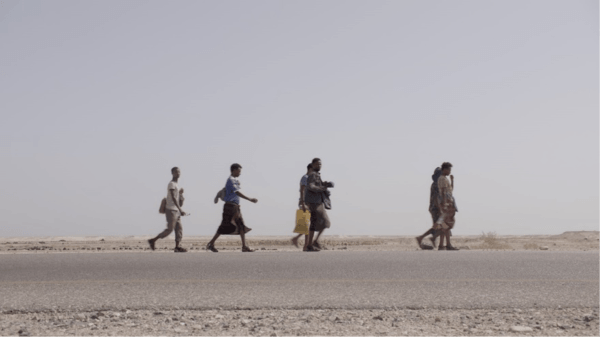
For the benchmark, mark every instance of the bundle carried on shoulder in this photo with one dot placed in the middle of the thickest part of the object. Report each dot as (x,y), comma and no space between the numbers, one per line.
(163,206)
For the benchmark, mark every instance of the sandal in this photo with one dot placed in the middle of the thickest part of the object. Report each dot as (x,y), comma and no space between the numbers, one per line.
(180,250)
(247,249)
(151,243)
(312,249)
(450,247)
(211,248)
(441,248)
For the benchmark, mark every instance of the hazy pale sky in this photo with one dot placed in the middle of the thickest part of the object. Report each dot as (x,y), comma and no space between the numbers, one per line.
(99,99)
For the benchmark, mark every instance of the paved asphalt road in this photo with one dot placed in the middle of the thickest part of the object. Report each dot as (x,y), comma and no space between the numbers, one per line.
(329,279)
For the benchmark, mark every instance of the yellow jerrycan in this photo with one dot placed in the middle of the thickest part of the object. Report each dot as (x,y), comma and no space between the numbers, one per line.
(302,222)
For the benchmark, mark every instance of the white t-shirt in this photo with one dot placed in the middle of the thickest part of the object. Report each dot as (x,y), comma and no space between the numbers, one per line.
(171,205)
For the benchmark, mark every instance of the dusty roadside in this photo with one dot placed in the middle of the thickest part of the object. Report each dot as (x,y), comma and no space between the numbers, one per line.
(568,241)
(422,321)
(330,322)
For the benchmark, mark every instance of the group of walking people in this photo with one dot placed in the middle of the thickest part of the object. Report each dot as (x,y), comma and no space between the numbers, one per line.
(314,197)
(442,207)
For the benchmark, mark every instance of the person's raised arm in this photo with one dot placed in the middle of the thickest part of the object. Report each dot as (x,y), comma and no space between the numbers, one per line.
(312,184)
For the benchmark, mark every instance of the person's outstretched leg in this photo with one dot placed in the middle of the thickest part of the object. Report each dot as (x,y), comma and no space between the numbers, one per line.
(171,220)
(316,243)
(214,239)
(211,244)
(295,240)
(245,248)
(310,246)
(420,238)
(243,237)
(434,235)
(319,235)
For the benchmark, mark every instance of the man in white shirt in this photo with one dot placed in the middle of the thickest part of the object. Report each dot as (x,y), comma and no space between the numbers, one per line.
(173,213)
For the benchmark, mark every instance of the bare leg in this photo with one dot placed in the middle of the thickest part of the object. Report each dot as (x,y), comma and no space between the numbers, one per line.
(448,244)
(429,231)
(295,240)
(245,248)
(214,239)
(319,235)
(442,235)
(305,241)
(310,238)
(434,236)
(421,237)
(243,236)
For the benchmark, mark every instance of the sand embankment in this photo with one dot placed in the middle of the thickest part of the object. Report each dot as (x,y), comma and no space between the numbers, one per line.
(568,241)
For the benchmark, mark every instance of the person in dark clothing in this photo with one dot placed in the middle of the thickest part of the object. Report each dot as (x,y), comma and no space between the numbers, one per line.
(302,206)
(447,206)
(434,210)
(232,222)
(314,198)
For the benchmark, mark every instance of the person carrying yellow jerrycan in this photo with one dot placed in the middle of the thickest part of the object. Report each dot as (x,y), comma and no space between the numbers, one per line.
(302,214)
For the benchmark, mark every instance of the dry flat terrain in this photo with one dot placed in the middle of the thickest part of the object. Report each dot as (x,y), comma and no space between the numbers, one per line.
(568,241)
(319,322)
(494,286)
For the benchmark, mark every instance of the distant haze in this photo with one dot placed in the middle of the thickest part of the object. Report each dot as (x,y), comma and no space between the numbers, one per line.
(99,99)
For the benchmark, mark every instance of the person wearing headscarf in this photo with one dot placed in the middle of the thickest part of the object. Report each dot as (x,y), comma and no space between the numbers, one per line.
(447,207)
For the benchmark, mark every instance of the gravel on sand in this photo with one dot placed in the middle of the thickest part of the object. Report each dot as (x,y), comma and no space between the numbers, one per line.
(328,322)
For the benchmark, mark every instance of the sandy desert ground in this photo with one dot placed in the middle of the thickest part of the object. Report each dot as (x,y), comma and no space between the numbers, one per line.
(568,241)
(401,322)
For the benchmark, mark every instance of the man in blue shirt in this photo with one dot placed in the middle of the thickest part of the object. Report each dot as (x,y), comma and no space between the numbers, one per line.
(232,223)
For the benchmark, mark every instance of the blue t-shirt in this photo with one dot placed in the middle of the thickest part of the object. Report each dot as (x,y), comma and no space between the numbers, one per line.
(304,181)
(231,186)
